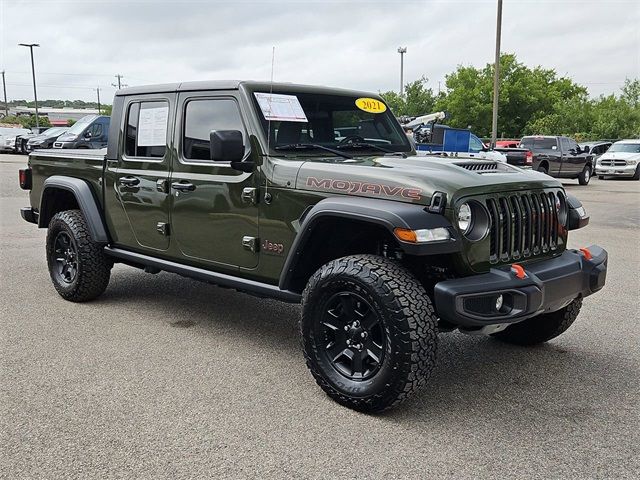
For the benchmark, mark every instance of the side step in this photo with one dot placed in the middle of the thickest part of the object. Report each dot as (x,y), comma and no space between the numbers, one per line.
(249,286)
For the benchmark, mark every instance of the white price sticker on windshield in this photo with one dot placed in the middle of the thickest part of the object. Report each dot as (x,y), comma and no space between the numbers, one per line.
(283,108)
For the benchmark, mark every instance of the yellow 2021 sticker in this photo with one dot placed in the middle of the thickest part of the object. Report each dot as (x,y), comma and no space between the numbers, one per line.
(370,105)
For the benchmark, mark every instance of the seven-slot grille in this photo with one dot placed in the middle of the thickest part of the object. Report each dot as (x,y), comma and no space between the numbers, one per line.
(522,225)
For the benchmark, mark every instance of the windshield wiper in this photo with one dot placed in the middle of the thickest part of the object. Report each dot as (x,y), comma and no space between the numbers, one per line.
(311,146)
(363,145)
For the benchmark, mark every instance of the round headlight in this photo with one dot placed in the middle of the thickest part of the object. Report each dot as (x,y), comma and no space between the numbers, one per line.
(561,208)
(464,217)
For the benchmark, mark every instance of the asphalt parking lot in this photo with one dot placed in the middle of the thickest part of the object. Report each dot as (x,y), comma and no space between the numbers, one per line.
(164,377)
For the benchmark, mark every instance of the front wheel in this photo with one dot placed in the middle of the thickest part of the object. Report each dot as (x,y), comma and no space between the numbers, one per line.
(585,175)
(369,332)
(636,176)
(541,328)
(78,267)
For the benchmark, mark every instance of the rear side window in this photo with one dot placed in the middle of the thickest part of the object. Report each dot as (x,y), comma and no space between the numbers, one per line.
(202,116)
(146,129)
(535,143)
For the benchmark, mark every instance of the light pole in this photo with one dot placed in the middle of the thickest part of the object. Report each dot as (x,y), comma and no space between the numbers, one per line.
(33,73)
(496,78)
(402,51)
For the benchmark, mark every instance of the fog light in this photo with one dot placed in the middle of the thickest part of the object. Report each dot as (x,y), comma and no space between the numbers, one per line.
(499,301)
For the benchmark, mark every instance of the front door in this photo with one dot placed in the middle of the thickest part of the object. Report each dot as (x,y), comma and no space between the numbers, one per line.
(213,216)
(141,179)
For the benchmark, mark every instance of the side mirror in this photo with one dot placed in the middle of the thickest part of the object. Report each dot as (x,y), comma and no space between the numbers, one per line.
(226,145)
(586,149)
(554,147)
(87,135)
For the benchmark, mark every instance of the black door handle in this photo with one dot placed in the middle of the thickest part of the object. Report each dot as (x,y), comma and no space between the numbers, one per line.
(183,187)
(129,181)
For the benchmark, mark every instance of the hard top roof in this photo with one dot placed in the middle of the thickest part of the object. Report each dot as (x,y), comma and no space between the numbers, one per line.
(235,85)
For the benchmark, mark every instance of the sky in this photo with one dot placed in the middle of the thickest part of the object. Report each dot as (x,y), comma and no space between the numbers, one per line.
(350,44)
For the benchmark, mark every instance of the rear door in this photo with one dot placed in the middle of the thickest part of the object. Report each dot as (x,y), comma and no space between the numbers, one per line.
(213,216)
(141,179)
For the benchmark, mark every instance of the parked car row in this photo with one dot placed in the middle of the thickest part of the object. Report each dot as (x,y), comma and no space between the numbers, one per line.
(91,131)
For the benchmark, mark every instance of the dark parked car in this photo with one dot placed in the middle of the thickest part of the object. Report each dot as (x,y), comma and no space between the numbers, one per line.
(91,131)
(45,139)
(560,157)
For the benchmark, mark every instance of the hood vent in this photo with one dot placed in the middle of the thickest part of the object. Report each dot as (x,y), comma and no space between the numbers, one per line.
(484,167)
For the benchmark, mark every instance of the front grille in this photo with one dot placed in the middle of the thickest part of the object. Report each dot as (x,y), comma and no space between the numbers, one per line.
(522,225)
(613,163)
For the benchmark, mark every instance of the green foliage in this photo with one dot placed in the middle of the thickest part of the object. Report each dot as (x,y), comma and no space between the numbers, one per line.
(105,110)
(26,121)
(525,95)
(417,99)
(70,122)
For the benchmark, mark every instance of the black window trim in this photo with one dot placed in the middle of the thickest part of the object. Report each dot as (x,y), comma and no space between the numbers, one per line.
(129,158)
(183,116)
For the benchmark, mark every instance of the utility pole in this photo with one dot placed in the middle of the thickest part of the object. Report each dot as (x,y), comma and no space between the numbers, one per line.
(98,92)
(119,84)
(402,51)
(496,77)
(4,89)
(33,73)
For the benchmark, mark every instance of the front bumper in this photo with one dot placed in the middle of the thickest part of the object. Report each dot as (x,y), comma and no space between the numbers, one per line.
(548,286)
(616,170)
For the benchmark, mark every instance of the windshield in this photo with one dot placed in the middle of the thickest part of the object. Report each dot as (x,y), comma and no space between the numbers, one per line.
(625,147)
(50,132)
(329,120)
(535,143)
(81,124)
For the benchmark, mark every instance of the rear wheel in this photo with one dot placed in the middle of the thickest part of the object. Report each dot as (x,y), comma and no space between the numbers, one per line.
(78,267)
(543,168)
(541,328)
(368,331)
(585,175)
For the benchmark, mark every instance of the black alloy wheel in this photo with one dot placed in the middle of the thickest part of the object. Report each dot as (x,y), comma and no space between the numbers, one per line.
(65,258)
(352,336)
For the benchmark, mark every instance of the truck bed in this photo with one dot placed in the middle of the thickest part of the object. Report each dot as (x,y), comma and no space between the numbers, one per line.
(84,163)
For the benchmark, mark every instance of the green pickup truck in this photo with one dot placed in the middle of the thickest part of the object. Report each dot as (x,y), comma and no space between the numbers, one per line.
(314,195)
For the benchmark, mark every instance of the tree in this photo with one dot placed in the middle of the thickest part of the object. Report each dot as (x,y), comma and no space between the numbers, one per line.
(417,99)
(525,95)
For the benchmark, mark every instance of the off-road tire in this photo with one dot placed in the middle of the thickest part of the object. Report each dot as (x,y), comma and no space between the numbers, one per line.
(541,328)
(93,266)
(636,176)
(543,169)
(408,322)
(585,175)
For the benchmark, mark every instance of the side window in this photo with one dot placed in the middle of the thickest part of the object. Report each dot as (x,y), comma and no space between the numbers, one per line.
(146,129)
(475,145)
(96,130)
(564,142)
(202,116)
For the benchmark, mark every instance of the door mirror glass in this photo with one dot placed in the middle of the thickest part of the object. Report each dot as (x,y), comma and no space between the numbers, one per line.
(585,149)
(226,145)
(87,135)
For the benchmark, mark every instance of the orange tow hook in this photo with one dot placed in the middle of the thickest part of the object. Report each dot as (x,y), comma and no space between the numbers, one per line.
(587,254)
(518,270)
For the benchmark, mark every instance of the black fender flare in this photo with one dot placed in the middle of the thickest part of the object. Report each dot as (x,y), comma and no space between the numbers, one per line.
(386,213)
(86,201)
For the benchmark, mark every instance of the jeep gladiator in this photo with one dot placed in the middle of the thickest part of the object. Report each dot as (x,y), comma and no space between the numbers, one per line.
(314,195)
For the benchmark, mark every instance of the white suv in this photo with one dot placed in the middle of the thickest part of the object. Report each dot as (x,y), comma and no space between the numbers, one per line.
(621,160)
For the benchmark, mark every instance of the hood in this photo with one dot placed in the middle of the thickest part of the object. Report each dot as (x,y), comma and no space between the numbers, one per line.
(415,179)
(620,156)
